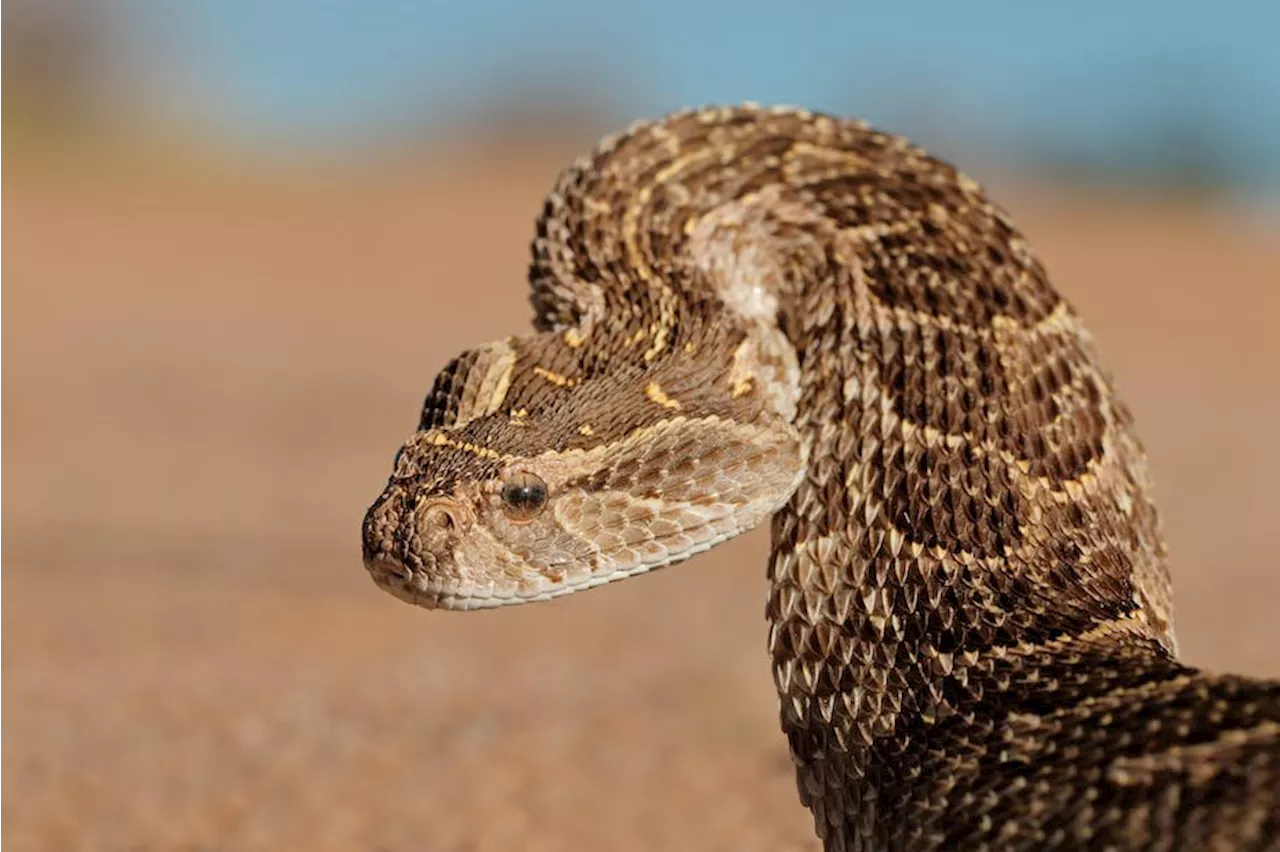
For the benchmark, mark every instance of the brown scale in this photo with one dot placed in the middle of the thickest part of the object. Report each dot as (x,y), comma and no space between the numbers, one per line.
(968,603)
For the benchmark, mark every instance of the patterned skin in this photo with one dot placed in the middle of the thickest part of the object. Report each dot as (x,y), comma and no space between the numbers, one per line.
(746,312)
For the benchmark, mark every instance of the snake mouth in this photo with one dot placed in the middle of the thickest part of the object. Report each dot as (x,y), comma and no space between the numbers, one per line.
(414,587)
(391,575)
(387,570)
(411,586)
(420,589)
(410,580)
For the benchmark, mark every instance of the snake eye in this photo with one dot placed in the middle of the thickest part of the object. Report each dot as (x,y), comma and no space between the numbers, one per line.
(524,496)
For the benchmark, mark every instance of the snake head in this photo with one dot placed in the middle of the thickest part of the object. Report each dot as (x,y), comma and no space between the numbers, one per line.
(461,525)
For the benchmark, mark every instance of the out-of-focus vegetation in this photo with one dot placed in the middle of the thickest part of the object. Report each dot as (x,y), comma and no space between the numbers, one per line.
(54,58)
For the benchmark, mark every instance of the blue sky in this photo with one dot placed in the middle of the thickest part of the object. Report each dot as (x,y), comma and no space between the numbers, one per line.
(1083,76)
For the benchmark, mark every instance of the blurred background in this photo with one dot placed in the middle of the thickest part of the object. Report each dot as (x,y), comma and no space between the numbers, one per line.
(244,236)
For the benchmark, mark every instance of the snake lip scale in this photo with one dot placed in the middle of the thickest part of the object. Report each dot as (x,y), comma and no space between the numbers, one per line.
(747,314)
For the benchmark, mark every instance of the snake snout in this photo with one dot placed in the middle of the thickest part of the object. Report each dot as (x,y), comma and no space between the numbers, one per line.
(383,535)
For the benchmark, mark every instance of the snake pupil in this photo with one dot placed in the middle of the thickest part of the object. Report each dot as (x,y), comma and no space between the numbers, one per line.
(523,496)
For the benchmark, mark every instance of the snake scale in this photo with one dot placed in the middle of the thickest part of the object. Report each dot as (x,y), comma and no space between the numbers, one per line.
(747,312)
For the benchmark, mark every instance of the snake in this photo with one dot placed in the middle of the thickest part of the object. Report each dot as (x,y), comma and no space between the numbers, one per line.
(747,313)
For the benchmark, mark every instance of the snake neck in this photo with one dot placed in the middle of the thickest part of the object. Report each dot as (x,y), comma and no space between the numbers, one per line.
(950,534)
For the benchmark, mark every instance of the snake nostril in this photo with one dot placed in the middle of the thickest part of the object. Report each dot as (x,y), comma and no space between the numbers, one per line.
(442,516)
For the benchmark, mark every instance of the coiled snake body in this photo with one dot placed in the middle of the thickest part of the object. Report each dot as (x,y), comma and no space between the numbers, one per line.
(744,312)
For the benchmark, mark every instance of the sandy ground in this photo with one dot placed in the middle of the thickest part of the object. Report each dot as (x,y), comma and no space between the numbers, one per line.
(204,383)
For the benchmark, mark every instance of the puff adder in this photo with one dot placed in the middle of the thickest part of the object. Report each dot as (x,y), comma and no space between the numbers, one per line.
(744,313)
